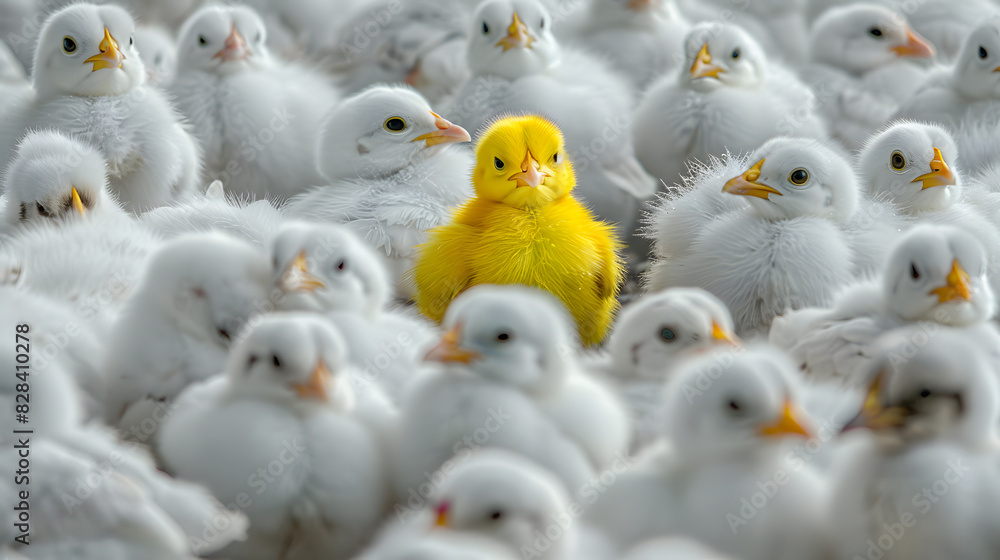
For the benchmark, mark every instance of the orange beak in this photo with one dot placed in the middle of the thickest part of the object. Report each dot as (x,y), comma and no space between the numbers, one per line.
(111,55)
(517,36)
(915,47)
(235,47)
(747,185)
(703,67)
(957,287)
(78,204)
(532,173)
(297,277)
(940,174)
(643,5)
(787,424)
(873,415)
(315,388)
(720,334)
(449,351)
(446,133)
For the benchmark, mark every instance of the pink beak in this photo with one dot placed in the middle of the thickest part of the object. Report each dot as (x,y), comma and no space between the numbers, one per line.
(235,47)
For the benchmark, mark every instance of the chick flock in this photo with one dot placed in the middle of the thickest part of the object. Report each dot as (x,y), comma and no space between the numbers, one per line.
(515,279)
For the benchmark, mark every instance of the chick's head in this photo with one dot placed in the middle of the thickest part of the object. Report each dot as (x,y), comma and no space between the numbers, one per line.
(522,162)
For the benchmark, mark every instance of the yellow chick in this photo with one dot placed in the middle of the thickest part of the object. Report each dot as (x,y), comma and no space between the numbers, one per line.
(523,226)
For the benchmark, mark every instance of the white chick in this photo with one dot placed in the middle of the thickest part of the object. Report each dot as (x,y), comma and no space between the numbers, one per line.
(88,83)
(726,477)
(968,89)
(650,337)
(259,134)
(509,379)
(278,436)
(422,43)
(914,167)
(254,221)
(786,250)
(860,69)
(158,50)
(920,481)
(643,39)
(195,297)
(89,489)
(492,497)
(55,177)
(935,274)
(726,97)
(326,269)
(391,173)
(519,67)
(778,25)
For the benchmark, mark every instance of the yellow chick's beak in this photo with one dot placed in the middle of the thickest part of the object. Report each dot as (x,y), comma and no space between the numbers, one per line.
(873,415)
(111,55)
(449,351)
(958,285)
(787,424)
(747,185)
(940,174)
(703,67)
(916,46)
(235,47)
(315,388)
(517,36)
(446,133)
(78,204)
(532,173)
(720,334)
(297,277)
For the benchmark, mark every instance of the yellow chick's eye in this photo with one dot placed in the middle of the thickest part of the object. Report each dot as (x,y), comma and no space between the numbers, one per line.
(394,124)
(798,177)
(68,45)
(556,158)
(499,165)
(897,161)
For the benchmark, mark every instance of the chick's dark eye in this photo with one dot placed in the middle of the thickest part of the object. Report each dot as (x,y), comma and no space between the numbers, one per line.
(41,210)
(555,157)
(734,406)
(875,32)
(394,124)
(202,40)
(275,361)
(341,265)
(486,28)
(897,161)
(982,52)
(498,164)
(736,54)
(799,176)
(503,337)
(69,45)
(925,393)
(224,334)
(130,40)
(667,334)
(914,273)
(496,515)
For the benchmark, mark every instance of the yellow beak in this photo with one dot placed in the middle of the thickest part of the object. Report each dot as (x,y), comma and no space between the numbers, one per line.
(873,415)
(532,173)
(787,424)
(940,174)
(78,204)
(315,388)
(449,350)
(916,46)
(957,286)
(297,277)
(703,67)
(517,36)
(442,515)
(720,334)
(747,185)
(446,133)
(111,55)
